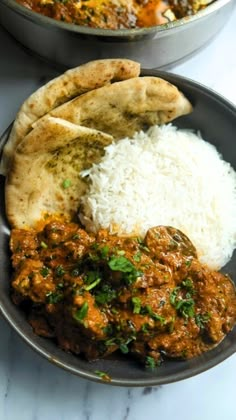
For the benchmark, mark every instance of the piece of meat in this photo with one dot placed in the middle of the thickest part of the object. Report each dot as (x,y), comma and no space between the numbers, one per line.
(99,294)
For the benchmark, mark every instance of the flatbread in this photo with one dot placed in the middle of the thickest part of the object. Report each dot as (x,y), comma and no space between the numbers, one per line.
(72,83)
(122,108)
(44,178)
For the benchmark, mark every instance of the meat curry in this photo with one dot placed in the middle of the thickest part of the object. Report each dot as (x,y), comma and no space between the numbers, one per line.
(116,14)
(99,294)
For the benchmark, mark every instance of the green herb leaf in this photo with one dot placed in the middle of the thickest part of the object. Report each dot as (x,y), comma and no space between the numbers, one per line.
(76,236)
(91,276)
(145,327)
(114,311)
(66,183)
(124,348)
(92,285)
(188,263)
(120,252)
(105,295)
(111,342)
(184,306)
(148,310)
(188,285)
(44,271)
(202,319)
(150,362)
(81,313)
(104,251)
(43,245)
(54,297)
(121,263)
(136,305)
(59,271)
(173,295)
(103,375)
(137,256)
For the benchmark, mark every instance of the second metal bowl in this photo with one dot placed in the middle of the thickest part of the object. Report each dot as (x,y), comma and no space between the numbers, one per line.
(68,45)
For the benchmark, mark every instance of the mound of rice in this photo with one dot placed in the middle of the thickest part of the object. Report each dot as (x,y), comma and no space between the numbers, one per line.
(169,177)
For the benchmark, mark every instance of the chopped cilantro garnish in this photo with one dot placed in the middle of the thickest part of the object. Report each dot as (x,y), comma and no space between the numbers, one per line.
(59,271)
(92,285)
(43,245)
(188,263)
(137,256)
(202,319)
(150,362)
(145,327)
(184,304)
(148,310)
(114,311)
(124,348)
(122,264)
(76,236)
(54,297)
(111,342)
(105,295)
(81,313)
(44,271)
(188,285)
(185,307)
(173,295)
(120,252)
(66,183)
(104,251)
(136,305)
(91,276)
(103,375)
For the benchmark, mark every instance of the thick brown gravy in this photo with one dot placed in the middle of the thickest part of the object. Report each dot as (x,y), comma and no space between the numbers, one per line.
(98,294)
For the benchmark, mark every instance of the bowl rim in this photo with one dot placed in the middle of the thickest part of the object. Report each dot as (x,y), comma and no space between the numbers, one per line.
(114,33)
(153,381)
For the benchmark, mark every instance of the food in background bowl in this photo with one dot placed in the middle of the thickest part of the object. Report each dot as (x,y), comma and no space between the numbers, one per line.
(67,45)
(143,293)
(116,14)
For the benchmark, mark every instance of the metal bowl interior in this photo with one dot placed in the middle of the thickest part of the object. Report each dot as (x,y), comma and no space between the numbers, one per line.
(68,45)
(215,118)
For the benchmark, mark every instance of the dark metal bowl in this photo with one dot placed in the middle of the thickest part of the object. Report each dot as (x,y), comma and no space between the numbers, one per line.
(67,45)
(216,119)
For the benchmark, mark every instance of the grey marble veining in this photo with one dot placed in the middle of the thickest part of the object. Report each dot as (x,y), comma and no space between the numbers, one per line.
(33,389)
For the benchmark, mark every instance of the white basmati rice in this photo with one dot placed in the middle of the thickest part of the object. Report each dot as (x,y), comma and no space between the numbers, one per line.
(169,177)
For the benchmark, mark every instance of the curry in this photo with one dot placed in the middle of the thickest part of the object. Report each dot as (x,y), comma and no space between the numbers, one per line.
(98,294)
(116,14)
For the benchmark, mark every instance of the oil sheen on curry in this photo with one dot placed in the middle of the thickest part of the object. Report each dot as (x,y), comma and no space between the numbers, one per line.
(116,14)
(98,294)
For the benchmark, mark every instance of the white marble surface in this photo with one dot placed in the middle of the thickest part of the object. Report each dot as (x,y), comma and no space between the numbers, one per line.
(33,389)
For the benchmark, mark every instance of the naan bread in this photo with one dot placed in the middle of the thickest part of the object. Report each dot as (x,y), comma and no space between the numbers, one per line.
(72,83)
(44,177)
(122,108)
